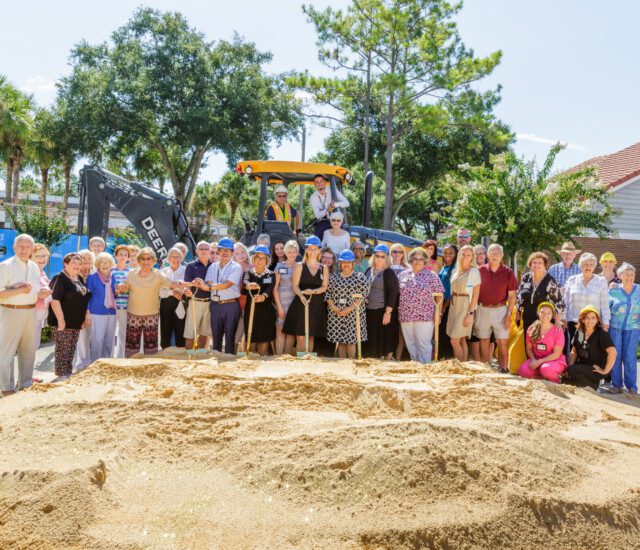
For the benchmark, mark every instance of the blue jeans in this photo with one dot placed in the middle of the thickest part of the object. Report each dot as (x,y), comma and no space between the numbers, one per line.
(626,344)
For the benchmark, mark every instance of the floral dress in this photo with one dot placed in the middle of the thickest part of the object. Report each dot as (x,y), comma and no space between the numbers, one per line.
(343,329)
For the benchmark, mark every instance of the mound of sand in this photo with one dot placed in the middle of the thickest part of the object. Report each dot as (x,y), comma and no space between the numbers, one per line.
(181,451)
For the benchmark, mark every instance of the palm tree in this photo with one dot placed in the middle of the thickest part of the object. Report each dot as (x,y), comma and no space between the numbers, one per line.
(15,126)
(41,146)
(207,200)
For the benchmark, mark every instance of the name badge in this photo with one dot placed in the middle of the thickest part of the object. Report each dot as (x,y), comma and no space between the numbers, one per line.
(321,276)
(342,301)
(541,347)
(283,270)
(267,280)
(215,298)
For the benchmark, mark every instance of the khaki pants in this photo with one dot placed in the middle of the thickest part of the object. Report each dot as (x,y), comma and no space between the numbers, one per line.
(203,319)
(17,334)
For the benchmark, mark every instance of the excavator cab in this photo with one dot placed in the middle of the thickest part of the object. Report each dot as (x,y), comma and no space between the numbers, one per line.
(275,172)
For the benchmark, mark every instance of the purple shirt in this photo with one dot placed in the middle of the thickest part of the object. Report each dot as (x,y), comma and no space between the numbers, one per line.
(416,295)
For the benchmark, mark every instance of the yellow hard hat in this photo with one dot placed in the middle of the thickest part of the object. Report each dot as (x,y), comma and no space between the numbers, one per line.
(608,257)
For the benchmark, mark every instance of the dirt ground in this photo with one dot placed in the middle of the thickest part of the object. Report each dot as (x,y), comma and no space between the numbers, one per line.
(178,451)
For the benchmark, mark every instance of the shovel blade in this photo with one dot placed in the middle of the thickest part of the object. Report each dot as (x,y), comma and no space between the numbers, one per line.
(191,352)
(303,353)
(241,353)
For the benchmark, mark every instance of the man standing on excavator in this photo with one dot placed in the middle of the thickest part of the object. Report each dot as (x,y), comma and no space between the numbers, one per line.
(280,210)
(323,204)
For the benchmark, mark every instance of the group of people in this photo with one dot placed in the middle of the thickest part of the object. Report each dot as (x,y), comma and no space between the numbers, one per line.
(581,327)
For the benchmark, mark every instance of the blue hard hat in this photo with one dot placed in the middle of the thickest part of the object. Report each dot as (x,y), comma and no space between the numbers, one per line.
(313,241)
(261,249)
(381,248)
(347,256)
(226,243)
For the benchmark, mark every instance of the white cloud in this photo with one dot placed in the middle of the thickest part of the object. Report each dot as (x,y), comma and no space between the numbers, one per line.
(42,87)
(549,141)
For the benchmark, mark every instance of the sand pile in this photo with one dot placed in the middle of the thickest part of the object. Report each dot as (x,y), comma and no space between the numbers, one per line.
(210,452)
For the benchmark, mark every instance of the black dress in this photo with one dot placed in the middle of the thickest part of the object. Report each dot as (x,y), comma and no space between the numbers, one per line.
(264,314)
(294,321)
(383,339)
(530,296)
(590,351)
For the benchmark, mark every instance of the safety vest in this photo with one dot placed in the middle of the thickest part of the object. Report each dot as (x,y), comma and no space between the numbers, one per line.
(280,216)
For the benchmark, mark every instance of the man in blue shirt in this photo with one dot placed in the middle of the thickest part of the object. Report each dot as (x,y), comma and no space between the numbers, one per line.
(197,270)
(222,281)
(566,268)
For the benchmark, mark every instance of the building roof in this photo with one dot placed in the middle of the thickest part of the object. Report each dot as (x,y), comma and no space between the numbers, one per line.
(616,168)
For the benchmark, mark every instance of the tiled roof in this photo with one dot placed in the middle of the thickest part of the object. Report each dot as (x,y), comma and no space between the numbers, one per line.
(616,168)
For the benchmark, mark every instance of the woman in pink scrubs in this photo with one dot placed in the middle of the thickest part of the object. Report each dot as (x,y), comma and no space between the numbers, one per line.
(545,347)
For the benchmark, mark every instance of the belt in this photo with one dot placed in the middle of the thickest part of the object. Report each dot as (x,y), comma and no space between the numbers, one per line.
(493,306)
(227,301)
(459,294)
(202,299)
(11,306)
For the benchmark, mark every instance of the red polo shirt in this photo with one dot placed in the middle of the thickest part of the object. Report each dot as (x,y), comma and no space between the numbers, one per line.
(494,287)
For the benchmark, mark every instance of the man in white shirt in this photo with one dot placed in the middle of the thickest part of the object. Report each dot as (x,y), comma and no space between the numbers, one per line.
(223,280)
(323,204)
(172,310)
(19,291)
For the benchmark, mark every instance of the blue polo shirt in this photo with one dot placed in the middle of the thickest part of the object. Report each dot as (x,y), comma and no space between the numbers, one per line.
(197,270)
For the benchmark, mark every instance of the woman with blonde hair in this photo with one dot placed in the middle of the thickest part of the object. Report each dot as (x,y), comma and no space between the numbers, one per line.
(465,289)
(398,258)
(283,295)
(102,308)
(310,282)
(545,347)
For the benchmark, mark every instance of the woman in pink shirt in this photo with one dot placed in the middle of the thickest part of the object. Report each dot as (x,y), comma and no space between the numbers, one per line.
(545,347)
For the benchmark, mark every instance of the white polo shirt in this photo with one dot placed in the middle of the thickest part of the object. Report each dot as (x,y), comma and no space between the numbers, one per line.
(14,272)
(230,272)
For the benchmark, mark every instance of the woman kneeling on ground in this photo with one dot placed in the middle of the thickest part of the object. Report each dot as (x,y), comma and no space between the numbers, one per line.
(592,351)
(545,347)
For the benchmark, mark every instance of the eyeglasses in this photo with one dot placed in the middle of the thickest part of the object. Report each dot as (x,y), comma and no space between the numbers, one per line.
(419,260)
(464,236)
(147,259)
(281,196)
(397,252)
(379,256)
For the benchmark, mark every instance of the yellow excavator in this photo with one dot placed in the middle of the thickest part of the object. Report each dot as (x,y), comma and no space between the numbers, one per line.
(276,172)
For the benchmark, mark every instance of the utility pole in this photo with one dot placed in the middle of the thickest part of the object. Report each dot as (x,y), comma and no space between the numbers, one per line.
(301,202)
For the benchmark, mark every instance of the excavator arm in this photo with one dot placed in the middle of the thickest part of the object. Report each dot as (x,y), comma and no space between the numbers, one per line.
(157,218)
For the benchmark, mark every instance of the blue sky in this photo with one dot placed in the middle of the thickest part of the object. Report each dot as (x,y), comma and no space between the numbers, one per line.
(570,70)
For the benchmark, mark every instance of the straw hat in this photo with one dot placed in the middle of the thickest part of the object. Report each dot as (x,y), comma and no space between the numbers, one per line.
(569,247)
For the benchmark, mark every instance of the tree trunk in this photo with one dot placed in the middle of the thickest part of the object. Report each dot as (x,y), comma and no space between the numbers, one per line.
(161,182)
(7,181)
(67,183)
(44,174)
(367,115)
(16,179)
(234,207)
(389,183)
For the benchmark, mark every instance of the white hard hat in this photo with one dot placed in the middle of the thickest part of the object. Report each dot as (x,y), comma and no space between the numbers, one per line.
(281,189)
